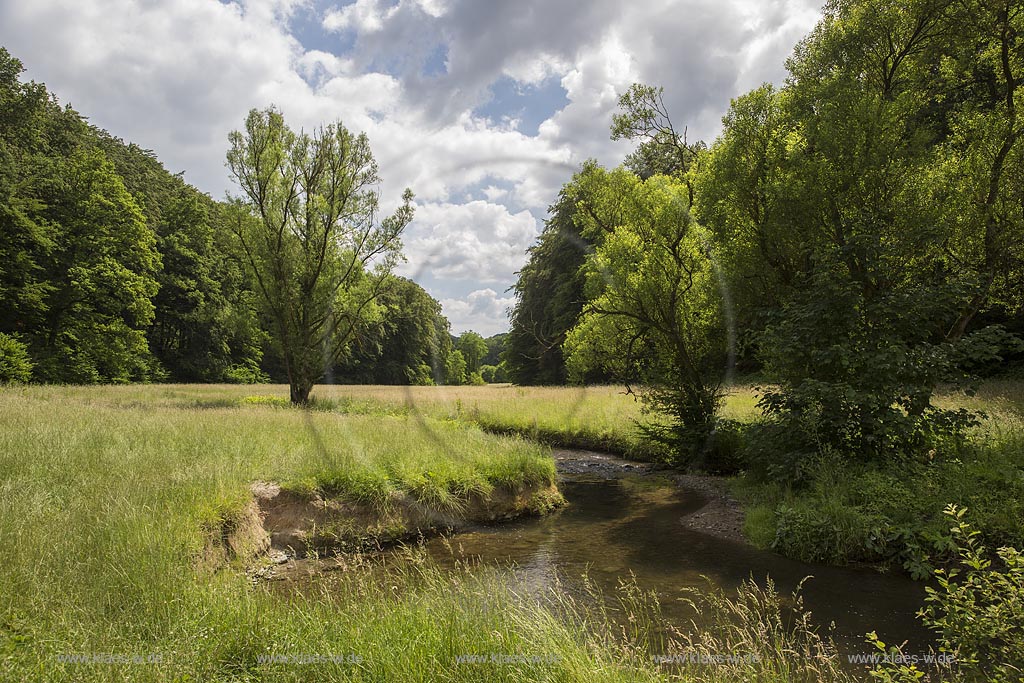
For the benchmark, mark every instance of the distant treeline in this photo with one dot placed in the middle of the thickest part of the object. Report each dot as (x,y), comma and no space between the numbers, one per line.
(113,269)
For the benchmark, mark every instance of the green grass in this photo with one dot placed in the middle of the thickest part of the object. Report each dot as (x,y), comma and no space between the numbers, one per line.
(596,417)
(106,492)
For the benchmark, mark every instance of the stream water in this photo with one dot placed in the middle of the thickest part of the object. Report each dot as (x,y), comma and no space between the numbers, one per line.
(623,520)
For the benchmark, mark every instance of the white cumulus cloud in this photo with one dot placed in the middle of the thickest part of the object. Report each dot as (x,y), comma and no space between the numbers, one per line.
(482,311)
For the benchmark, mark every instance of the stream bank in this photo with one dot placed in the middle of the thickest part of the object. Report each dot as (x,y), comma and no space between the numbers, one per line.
(669,532)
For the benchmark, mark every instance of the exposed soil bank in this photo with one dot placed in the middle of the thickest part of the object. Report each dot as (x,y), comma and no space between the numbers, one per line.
(296,524)
(242,537)
(280,523)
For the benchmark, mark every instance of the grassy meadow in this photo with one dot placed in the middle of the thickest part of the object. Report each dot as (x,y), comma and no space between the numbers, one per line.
(108,495)
(595,417)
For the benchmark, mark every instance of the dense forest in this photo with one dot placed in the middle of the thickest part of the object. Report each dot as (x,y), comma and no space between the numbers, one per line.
(113,269)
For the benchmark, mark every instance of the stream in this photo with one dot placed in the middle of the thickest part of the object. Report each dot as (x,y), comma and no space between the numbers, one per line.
(626,519)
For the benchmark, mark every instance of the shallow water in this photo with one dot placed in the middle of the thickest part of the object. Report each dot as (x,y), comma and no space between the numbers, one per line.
(622,521)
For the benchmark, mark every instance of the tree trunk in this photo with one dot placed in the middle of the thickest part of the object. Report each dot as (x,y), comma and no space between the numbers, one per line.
(299,392)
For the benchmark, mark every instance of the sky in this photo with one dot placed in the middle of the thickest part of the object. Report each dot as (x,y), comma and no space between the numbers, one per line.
(484,108)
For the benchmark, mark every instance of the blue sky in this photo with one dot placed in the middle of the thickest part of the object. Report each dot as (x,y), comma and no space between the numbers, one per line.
(484,109)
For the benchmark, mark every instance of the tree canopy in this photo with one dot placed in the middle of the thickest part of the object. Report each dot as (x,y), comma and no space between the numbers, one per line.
(113,269)
(308,227)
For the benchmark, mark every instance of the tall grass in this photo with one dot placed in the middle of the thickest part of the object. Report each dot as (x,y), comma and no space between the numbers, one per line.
(594,417)
(104,495)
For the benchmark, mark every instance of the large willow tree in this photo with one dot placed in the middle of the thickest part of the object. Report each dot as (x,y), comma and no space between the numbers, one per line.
(309,228)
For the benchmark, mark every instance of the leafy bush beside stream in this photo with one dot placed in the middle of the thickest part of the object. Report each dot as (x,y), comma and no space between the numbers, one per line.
(977,611)
(843,512)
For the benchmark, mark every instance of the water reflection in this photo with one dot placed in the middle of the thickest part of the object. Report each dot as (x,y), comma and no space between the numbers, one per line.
(614,528)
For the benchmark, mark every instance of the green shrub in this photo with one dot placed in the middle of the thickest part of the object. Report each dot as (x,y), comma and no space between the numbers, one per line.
(494,374)
(857,368)
(15,364)
(246,373)
(421,375)
(978,609)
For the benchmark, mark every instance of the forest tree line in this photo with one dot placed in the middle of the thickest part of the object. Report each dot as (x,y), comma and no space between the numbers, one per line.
(113,269)
(854,237)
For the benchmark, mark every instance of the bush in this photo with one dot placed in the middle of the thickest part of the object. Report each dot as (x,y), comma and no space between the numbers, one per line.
(977,611)
(857,369)
(15,364)
(422,375)
(246,373)
(494,374)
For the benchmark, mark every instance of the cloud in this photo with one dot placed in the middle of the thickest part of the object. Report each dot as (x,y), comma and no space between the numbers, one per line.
(482,311)
(363,16)
(477,241)
(493,193)
(176,76)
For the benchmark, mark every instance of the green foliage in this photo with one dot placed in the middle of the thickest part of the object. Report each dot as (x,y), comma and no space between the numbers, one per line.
(473,348)
(652,315)
(82,279)
(978,608)
(862,216)
(15,364)
(549,296)
(77,262)
(101,273)
(455,368)
(31,124)
(205,319)
(984,351)
(406,344)
(496,346)
(663,150)
(309,233)
(898,669)
(246,373)
(494,374)
(857,371)
(748,195)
